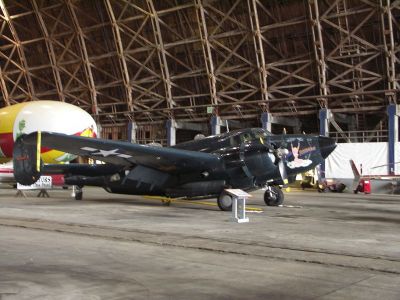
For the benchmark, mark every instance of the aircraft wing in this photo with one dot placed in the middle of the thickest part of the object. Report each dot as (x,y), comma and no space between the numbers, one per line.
(120,153)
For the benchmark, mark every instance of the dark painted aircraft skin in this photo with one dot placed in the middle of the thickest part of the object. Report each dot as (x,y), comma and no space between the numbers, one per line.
(247,159)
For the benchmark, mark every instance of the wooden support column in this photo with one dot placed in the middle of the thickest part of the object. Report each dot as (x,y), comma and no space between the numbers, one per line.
(319,51)
(216,124)
(205,43)
(85,58)
(324,121)
(155,22)
(121,55)
(389,46)
(50,51)
(259,49)
(266,121)
(171,132)
(393,136)
(132,129)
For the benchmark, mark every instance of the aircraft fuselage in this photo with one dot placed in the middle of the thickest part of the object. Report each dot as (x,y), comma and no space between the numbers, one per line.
(248,161)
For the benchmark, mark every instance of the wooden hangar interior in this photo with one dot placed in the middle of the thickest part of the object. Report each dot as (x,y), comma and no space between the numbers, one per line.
(144,68)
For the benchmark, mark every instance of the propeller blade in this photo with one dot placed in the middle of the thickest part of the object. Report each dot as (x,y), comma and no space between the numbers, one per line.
(282,170)
(281,153)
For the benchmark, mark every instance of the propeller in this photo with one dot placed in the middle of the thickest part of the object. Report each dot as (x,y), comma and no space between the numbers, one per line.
(252,152)
(281,154)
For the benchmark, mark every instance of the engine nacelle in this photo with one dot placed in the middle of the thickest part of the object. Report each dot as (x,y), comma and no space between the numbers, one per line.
(26,161)
(258,160)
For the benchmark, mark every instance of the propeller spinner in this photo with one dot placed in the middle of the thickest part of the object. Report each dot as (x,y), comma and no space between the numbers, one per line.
(281,154)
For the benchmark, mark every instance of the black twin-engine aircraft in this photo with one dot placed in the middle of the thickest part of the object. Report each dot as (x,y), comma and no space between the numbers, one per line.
(247,159)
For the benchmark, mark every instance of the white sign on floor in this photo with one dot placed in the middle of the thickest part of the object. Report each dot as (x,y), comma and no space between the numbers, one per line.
(238,205)
(44,182)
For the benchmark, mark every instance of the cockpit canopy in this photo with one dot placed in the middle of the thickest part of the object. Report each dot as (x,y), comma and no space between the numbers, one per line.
(229,139)
(237,137)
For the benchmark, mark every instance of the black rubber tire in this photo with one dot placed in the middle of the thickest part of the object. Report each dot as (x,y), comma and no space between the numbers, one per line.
(225,202)
(78,195)
(340,187)
(276,198)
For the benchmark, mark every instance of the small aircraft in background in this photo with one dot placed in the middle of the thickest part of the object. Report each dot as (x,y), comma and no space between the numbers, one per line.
(361,183)
(27,117)
(54,116)
(247,159)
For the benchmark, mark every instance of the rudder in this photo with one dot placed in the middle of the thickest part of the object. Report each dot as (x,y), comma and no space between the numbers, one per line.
(26,160)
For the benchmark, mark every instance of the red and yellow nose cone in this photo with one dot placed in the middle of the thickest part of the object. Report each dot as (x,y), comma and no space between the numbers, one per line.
(51,116)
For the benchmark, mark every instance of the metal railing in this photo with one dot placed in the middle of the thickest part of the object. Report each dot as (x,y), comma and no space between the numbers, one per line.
(360,136)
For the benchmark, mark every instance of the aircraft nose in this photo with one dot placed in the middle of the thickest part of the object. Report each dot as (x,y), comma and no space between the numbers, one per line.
(326,146)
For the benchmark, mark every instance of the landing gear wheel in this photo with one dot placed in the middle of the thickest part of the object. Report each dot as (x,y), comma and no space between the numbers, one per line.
(273,196)
(78,193)
(224,202)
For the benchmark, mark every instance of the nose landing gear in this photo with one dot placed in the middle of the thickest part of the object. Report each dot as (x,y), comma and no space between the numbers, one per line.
(273,196)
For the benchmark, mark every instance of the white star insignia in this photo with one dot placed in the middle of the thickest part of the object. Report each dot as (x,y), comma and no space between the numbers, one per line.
(105,153)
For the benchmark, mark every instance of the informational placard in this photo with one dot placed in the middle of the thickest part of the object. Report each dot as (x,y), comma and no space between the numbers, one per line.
(238,193)
(44,182)
(238,205)
(239,210)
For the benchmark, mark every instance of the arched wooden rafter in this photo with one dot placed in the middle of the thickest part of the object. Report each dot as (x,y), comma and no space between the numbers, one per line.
(85,57)
(50,51)
(19,62)
(121,56)
(161,53)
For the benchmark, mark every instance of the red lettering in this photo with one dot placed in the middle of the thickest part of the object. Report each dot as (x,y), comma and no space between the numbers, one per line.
(22,158)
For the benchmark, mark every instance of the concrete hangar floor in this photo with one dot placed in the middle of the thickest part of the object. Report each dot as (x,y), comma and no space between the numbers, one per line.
(319,246)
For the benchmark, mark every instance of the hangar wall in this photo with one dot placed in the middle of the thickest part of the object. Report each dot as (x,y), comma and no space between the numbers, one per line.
(370,155)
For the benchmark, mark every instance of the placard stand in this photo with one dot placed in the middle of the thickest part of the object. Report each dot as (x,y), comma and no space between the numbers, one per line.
(43,193)
(238,205)
(20,193)
(43,183)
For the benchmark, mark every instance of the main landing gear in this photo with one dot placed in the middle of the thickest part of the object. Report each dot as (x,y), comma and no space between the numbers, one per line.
(77,192)
(225,201)
(273,196)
